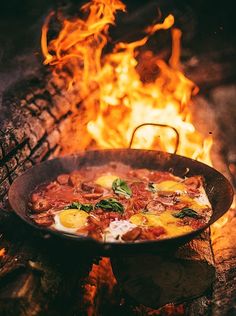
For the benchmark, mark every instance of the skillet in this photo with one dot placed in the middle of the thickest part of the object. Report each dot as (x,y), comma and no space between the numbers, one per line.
(218,189)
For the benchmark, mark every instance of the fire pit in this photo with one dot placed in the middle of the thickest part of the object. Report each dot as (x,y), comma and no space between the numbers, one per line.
(106,87)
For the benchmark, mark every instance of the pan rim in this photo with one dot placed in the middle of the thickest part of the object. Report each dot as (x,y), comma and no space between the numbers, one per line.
(102,244)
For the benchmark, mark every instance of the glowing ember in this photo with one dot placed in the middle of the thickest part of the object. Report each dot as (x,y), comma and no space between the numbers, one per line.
(2,252)
(100,278)
(112,85)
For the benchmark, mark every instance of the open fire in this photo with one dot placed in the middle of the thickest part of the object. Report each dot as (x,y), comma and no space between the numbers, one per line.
(126,89)
(105,91)
(115,88)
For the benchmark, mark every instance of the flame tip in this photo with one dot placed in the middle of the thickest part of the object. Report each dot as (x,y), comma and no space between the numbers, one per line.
(124,90)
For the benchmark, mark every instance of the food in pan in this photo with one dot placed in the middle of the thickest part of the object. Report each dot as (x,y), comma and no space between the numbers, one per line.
(116,203)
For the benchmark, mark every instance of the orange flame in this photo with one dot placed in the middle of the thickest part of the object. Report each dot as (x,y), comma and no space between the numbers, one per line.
(80,42)
(113,85)
(2,252)
(114,90)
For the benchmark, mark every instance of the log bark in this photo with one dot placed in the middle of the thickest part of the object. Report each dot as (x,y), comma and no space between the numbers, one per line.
(224,248)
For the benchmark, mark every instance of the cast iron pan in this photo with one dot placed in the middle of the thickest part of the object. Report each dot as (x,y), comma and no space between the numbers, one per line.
(218,189)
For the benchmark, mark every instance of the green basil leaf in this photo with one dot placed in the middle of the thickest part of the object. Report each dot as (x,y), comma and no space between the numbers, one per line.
(187,212)
(110,205)
(83,207)
(119,186)
(151,187)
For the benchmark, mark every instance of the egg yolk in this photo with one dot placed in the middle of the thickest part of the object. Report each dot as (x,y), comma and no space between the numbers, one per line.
(165,220)
(106,180)
(145,220)
(170,186)
(73,218)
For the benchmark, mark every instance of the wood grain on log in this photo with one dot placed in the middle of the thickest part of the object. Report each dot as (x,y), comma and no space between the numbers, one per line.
(224,247)
(35,125)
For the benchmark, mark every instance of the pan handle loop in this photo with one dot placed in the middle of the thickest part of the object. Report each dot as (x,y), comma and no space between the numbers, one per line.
(157,125)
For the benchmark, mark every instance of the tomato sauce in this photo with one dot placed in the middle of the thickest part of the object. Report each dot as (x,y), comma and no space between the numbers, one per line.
(117,203)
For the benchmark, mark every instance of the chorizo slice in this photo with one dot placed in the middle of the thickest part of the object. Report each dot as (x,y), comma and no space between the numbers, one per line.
(132,234)
(63,179)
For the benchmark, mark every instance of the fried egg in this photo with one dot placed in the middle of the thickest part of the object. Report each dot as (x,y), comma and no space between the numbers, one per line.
(165,220)
(70,220)
(106,180)
(141,219)
(171,224)
(199,203)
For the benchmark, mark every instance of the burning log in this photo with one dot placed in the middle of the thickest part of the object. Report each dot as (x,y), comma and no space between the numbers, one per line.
(34,126)
(224,291)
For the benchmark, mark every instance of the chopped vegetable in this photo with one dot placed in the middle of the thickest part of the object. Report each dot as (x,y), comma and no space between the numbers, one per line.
(110,205)
(77,205)
(187,212)
(119,186)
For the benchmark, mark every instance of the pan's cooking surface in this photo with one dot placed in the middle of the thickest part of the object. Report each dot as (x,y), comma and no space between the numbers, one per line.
(218,188)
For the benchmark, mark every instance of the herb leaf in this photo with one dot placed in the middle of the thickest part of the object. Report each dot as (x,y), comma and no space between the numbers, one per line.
(83,207)
(151,187)
(119,186)
(187,212)
(110,205)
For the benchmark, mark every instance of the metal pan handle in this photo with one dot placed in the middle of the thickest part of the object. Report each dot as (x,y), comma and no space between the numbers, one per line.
(157,125)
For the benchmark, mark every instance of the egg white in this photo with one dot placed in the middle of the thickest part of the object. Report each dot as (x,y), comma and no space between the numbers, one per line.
(202,199)
(116,230)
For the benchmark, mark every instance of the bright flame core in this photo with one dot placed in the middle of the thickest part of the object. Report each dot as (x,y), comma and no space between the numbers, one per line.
(112,84)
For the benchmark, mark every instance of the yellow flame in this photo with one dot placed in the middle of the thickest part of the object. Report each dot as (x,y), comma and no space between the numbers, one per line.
(113,86)
(2,252)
